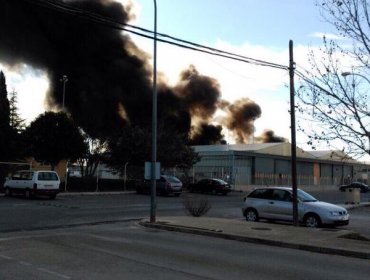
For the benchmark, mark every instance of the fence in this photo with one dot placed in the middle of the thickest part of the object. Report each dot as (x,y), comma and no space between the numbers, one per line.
(241,179)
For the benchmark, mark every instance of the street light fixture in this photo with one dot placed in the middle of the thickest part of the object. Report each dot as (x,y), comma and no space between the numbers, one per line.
(64,80)
(345,74)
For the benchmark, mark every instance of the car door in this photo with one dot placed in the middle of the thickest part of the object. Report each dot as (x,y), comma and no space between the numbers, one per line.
(280,205)
(14,181)
(260,200)
(26,180)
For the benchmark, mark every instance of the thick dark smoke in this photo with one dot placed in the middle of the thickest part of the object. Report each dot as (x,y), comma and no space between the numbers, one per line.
(207,134)
(200,93)
(268,136)
(103,77)
(109,78)
(240,120)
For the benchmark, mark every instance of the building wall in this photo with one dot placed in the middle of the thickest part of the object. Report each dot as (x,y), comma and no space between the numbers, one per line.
(244,168)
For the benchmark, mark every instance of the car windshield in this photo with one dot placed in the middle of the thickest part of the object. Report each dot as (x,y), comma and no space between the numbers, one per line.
(305,197)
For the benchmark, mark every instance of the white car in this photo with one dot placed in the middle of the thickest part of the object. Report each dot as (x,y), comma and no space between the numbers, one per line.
(275,203)
(31,183)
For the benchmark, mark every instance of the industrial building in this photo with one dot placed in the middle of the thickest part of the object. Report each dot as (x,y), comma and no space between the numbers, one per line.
(270,164)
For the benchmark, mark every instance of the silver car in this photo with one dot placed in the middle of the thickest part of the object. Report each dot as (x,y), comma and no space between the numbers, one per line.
(275,203)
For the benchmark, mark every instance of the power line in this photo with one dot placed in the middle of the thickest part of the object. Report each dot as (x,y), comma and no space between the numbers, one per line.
(139,31)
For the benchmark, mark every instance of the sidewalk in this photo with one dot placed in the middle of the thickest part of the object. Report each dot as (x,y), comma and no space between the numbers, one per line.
(333,241)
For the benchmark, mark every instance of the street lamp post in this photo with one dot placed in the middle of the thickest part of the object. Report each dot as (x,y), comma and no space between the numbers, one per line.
(64,80)
(153,203)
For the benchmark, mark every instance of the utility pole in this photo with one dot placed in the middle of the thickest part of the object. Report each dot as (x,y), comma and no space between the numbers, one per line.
(293,135)
(64,80)
(153,202)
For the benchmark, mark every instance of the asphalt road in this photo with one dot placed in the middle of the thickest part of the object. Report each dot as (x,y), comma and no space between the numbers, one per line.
(96,237)
(17,213)
(128,251)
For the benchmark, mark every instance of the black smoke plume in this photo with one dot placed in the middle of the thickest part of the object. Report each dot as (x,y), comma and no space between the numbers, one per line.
(268,136)
(109,78)
(241,117)
(104,78)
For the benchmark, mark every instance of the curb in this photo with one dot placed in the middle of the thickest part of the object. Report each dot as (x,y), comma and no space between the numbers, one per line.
(220,234)
(93,193)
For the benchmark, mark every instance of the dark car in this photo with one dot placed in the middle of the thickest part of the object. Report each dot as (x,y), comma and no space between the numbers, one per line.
(166,185)
(214,186)
(363,187)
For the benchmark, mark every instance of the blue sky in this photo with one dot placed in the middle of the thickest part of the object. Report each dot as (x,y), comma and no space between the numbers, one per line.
(264,22)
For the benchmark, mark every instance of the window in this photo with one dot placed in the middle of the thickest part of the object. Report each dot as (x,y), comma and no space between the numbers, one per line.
(261,193)
(282,195)
(26,175)
(47,176)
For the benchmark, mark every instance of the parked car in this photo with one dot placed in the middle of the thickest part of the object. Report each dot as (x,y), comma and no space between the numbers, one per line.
(363,187)
(275,203)
(166,185)
(214,186)
(32,183)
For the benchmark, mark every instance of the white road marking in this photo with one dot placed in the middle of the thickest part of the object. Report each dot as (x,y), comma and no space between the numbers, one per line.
(54,273)
(6,257)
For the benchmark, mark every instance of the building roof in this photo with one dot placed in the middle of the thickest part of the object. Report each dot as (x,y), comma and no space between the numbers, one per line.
(234,147)
(280,149)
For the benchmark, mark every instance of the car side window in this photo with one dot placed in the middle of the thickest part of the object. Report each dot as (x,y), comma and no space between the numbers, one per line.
(26,176)
(261,193)
(281,195)
(16,176)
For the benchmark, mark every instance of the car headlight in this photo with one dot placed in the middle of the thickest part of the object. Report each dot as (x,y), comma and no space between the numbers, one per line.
(335,213)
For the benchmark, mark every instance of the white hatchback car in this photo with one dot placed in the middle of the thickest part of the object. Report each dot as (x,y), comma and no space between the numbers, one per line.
(275,203)
(31,183)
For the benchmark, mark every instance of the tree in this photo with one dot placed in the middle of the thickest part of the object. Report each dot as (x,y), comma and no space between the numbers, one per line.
(96,154)
(15,121)
(5,140)
(133,146)
(335,109)
(53,137)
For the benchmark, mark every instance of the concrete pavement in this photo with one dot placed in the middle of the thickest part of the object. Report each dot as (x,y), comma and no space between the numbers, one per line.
(336,241)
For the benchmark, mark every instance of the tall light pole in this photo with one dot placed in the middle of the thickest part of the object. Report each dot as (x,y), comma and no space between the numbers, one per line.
(64,80)
(153,202)
(293,135)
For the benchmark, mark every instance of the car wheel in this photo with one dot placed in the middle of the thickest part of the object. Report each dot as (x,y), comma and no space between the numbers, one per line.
(312,221)
(53,196)
(8,192)
(251,215)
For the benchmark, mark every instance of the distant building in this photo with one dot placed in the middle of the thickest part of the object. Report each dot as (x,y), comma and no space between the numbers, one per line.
(270,164)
